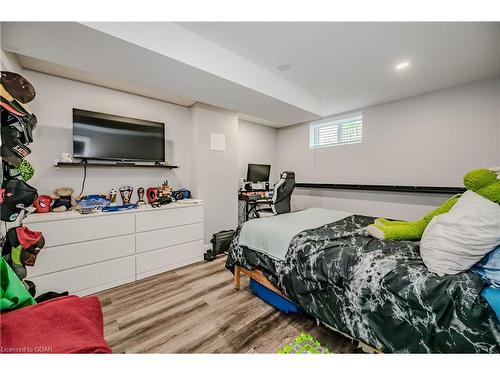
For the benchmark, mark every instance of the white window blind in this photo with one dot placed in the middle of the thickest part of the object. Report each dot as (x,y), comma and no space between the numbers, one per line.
(336,131)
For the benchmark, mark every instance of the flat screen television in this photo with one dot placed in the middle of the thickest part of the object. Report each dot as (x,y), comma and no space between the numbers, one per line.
(102,136)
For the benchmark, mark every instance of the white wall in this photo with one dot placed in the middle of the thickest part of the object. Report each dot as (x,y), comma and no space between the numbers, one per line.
(53,106)
(215,173)
(9,61)
(211,175)
(257,144)
(431,139)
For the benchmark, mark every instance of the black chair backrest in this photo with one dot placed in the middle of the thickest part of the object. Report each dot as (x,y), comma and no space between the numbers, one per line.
(283,193)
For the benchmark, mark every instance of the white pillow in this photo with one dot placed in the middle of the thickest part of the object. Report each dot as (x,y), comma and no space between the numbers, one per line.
(455,241)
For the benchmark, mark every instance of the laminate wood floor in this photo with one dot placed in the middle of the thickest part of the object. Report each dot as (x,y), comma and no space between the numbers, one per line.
(195,309)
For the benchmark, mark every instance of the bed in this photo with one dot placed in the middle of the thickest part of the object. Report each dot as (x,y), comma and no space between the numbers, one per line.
(378,292)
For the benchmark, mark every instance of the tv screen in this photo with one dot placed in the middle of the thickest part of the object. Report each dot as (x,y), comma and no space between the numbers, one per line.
(109,137)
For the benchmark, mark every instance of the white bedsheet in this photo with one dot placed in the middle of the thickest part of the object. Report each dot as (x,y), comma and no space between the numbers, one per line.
(272,235)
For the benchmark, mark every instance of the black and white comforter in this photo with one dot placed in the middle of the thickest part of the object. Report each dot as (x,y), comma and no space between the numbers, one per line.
(379,292)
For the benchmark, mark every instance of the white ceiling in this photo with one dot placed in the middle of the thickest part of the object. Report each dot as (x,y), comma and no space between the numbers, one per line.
(104,81)
(159,60)
(335,67)
(351,65)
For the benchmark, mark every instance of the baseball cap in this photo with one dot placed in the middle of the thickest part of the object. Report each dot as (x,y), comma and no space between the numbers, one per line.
(13,149)
(11,109)
(22,246)
(18,86)
(17,114)
(13,102)
(23,171)
(15,195)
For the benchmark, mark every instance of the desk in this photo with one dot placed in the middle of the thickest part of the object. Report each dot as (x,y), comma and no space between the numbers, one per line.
(251,199)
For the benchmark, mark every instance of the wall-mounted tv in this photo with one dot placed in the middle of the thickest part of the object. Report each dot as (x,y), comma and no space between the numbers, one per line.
(102,136)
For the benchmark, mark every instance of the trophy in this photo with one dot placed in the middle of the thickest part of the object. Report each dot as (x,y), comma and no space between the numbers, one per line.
(126,194)
(140,193)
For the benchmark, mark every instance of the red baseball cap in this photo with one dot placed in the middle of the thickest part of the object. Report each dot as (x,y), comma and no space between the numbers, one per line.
(28,238)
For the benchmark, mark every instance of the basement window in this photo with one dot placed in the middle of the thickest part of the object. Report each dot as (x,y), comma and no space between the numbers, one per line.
(335,131)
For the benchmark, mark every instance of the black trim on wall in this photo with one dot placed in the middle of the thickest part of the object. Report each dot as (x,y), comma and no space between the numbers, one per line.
(391,188)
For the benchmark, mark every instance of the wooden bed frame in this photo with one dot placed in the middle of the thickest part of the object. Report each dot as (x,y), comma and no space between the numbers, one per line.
(258,276)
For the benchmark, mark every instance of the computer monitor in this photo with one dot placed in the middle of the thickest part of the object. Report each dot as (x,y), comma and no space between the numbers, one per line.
(258,172)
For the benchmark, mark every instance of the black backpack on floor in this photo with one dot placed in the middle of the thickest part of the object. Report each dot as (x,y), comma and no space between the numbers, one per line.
(220,244)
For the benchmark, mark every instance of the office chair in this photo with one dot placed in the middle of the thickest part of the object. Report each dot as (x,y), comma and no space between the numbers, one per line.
(282,195)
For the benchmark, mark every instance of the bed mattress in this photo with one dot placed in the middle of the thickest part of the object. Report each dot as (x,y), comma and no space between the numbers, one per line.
(379,292)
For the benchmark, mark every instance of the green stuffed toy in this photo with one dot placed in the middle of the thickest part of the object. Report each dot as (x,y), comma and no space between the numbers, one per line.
(485,182)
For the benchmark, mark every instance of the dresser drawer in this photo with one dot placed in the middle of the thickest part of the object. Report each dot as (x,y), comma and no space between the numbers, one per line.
(157,239)
(88,279)
(79,230)
(167,218)
(157,261)
(59,258)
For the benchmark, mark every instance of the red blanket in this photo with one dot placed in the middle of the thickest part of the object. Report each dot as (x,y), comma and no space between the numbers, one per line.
(62,325)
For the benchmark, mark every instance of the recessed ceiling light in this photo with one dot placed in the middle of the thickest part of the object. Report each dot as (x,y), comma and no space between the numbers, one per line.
(283,67)
(402,65)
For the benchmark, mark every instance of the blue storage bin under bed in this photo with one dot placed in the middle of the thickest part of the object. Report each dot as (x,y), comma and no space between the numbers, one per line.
(274,299)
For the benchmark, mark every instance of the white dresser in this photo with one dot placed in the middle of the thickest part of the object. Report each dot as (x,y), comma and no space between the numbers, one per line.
(84,254)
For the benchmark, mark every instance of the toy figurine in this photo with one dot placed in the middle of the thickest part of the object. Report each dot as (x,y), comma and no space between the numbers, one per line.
(165,189)
(126,194)
(140,193)
(112,197)
(152,193)
(165,194)
(42,204)
(63,199)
